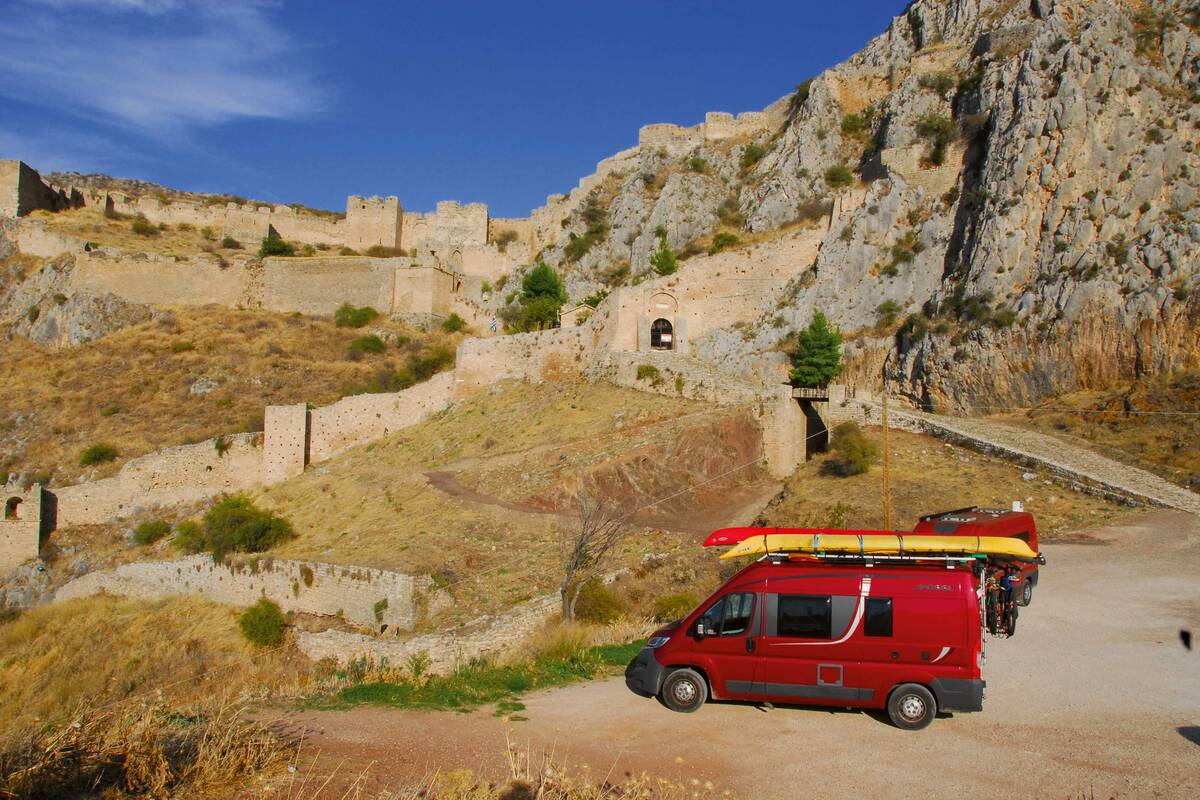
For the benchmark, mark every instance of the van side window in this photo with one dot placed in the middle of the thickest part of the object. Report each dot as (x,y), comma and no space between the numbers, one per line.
(729,616)
(1023,536)
(739,609)
(805,616)
(878,620)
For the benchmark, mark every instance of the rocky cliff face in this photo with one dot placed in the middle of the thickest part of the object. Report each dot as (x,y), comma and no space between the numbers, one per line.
(39,304)
(1026,218)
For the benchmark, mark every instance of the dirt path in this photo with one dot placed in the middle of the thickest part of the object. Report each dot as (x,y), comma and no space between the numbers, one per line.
(1094,696)
(1063,457)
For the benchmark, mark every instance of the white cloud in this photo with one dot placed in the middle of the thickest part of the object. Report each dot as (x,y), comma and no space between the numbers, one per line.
(160,70)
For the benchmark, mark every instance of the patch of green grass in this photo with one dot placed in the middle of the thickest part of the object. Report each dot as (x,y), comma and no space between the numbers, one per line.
(477,684)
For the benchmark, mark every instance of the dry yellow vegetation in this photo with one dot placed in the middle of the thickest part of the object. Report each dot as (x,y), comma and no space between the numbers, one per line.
(132,389)
(929,475)
(92,226)
(57,658)
(1153,423)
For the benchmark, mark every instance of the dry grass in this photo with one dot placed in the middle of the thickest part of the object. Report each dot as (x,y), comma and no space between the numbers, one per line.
(929,475)
(1135,423)
(131,389)
(150,750)
(92,226)
(98,650)
(373,505)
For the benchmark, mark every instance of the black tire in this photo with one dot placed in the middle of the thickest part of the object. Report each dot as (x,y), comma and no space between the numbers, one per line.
(911,707)
(1026,593)
(684,690)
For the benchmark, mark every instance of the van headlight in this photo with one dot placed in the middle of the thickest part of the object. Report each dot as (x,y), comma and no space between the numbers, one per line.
(657,641)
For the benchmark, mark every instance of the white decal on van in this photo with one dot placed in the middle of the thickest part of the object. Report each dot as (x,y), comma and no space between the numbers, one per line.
(945,652)
(863,592)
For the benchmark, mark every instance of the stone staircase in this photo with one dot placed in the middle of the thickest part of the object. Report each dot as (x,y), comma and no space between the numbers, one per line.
(1078,466)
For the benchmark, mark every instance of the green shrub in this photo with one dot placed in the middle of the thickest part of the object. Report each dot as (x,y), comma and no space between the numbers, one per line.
(721,241)
(672,607)
(853,452)
(839,176)
(595,298)
(262,623)
(60,298)
(598,603)
(886,313)
(347,251)
(801,95)
(730,212)
(230,243)
(347,316)
(235,524)
(751,155)
(939,131)
(97,454)
(189,537)
(272,245)
(142,227)
(813,210)
(505,239)
(182,346)
(379,608)
(647,372)
(424,367)
(853,125)
(698,164)
(368,344)
(151,531)
(453,324)
(380,251)
(940,82)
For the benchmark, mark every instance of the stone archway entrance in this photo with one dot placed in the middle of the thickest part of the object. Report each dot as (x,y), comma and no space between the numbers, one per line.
(662,335)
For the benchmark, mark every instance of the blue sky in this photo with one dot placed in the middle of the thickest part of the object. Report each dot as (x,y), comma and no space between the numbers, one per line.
(307,101)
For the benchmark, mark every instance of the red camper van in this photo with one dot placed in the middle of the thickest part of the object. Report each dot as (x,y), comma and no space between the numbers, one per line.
(902,636)
(975,521)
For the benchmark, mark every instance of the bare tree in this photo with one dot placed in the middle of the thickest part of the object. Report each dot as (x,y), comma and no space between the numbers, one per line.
(600,526)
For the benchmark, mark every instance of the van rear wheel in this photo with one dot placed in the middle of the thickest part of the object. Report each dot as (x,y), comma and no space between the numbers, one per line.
(911,707)
(684,690)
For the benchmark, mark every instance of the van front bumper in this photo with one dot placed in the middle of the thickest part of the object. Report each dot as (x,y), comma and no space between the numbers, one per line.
(644,674)
(959,694)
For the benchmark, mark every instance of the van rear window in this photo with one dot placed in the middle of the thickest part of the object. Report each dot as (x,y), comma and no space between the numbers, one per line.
(805,616)
(878,620)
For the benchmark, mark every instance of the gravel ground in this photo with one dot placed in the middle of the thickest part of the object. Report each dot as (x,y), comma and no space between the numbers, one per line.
(1095,697)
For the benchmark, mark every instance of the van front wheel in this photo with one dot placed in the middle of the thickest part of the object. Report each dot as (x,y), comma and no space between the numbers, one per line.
(684,690)
(911,707)
(1027,593)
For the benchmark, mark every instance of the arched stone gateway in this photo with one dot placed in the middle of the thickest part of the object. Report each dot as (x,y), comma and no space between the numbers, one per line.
(12,508)
(662,335)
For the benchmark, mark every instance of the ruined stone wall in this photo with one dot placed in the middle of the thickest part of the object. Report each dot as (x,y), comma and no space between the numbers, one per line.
(174,475)
(320,285)
(35,239)
(164,280)
(460,224)
(421,290)
(554,354)
(20,526)
(285,442)
(304,587)
(365,417)
(22,191)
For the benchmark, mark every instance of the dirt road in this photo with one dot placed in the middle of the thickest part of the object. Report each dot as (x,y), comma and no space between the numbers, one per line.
(1095,695)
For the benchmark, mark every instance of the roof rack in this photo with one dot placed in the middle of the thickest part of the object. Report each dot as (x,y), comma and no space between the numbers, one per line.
(928,517)
(856,558)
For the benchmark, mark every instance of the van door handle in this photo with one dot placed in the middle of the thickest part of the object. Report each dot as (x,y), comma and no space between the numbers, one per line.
(749,644)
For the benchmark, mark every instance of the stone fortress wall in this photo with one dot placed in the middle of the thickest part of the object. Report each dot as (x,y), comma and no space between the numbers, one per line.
(352,593)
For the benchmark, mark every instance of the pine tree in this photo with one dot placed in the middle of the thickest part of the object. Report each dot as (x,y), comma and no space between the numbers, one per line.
(543,281)
(817,359)
(663,259)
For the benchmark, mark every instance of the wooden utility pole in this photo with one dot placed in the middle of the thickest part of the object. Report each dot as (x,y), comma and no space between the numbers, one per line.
(887,473)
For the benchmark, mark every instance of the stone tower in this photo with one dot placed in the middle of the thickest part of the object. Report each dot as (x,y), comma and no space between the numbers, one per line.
(20,527)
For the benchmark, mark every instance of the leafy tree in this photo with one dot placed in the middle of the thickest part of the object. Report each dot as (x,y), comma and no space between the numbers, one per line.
(663,259)
(543,281)
(538,313)
(817,359)
(236,524)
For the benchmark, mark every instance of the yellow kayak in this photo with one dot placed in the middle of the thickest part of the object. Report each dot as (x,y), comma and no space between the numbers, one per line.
(881,544)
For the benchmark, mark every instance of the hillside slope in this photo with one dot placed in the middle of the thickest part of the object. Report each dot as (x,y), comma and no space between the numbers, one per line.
(1031,223)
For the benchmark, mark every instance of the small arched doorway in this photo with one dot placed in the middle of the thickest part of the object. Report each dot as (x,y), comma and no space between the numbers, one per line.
(12,508)
(662,335)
